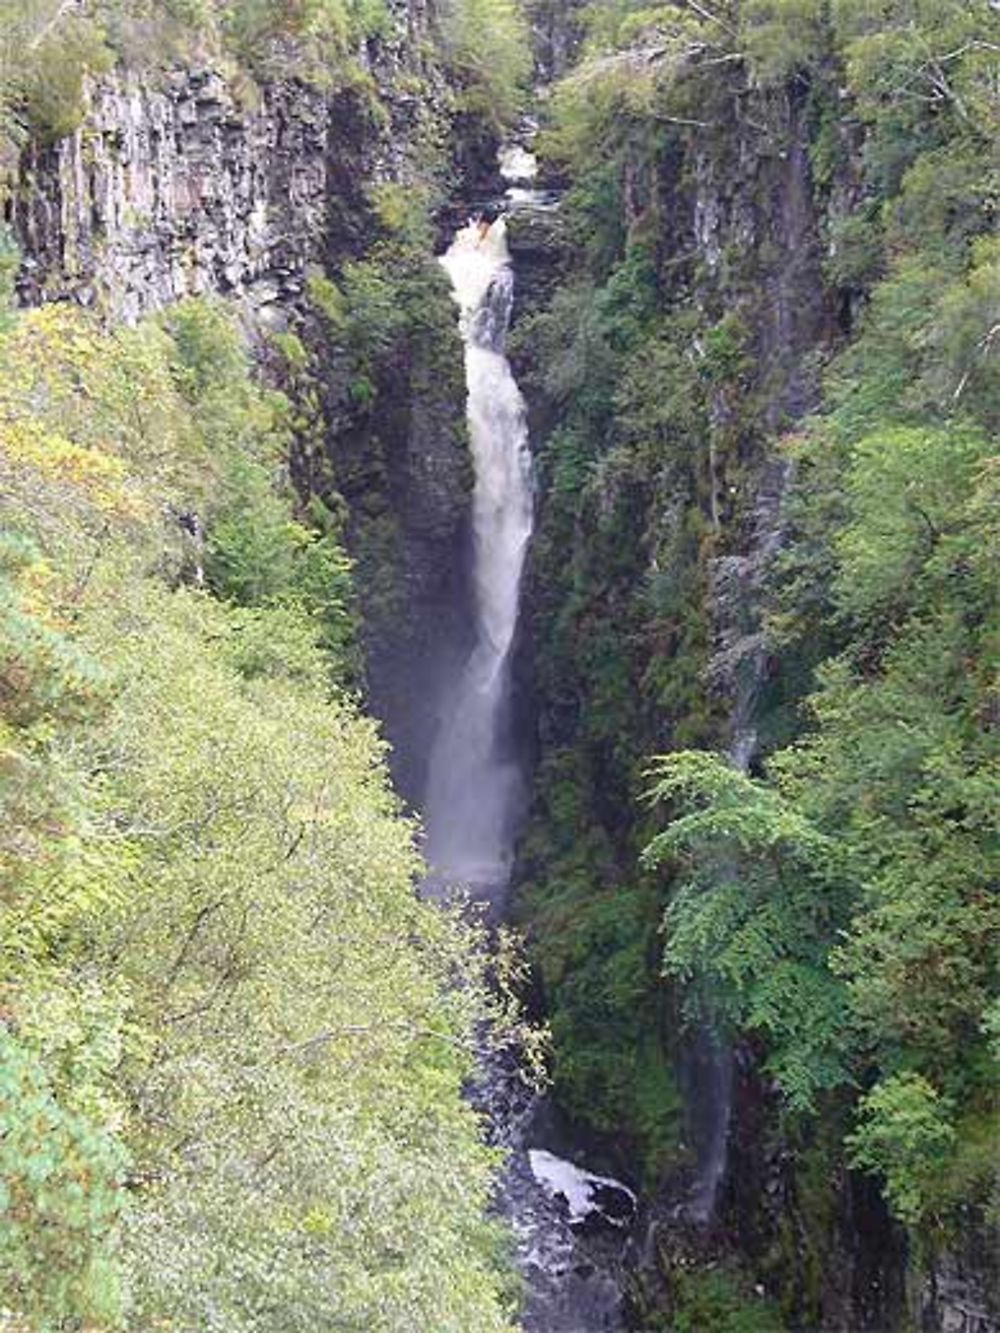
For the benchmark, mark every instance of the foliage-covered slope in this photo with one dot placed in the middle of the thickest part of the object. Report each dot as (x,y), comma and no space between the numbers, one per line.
(49,50)
(784,262)
(233,1039)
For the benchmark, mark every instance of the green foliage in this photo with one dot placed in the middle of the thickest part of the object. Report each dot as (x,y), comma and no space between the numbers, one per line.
(327,298)
(837,908)
(620,625)
(919,68)
(856,251)
(716,1301)
(215,972)
(10,259)
(47,51)
(610,1068)
(60,1189)
(257,557)
(256,552)
(209,354)
(906,1135)
(906,489)
(783,38)
(759,895)
(884,804)
(843,911)
(275,899)
(488,47)
(311,39)
(393,305)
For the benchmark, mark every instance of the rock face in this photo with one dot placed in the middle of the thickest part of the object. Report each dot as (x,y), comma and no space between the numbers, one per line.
(188,183)
(184,182)
(668,538)
(177,191)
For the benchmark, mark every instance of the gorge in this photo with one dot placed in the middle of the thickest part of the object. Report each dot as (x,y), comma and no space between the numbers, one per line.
(574,427)
(474,801)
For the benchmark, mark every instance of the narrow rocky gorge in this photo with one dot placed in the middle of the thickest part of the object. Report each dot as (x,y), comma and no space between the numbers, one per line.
(592,392)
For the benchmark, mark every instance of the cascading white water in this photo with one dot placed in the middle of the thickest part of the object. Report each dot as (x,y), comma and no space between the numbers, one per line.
(473,789)
(474,798)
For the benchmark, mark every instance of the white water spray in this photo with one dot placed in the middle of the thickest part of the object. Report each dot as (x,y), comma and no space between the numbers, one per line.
(475,799)
(474,790)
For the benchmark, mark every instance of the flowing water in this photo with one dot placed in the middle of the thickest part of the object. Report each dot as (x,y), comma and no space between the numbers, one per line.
(570,1225)
(475,790)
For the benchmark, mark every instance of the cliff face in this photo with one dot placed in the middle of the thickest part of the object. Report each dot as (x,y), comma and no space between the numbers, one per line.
(177,191)
(708,288)
(402,465)
(198,179)
(191,183)
(660,514)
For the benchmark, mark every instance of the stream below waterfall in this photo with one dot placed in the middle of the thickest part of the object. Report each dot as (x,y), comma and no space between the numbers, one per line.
(571,1226)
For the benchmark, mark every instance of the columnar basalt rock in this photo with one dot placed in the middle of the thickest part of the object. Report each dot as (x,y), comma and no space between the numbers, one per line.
(177,190)
(193,180)
(190,182)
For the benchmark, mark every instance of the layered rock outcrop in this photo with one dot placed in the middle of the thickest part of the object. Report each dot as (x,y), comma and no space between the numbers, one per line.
(191,182)
(177,190)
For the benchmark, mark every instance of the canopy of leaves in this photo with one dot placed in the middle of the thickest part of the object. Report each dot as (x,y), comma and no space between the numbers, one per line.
(233,1039)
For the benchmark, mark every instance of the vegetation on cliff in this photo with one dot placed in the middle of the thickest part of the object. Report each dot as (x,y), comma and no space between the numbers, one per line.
(49,50)
(231,1041)
(782,258)
(232,1038)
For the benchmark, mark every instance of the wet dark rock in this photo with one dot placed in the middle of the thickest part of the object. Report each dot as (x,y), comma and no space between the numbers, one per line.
(176,190)
(536,235)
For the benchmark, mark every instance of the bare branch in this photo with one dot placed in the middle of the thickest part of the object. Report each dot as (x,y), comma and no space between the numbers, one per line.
(710,17)
(985,346)
(47,28)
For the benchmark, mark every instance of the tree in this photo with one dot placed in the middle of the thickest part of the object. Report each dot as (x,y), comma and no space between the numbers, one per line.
(759,897)
(232,1038)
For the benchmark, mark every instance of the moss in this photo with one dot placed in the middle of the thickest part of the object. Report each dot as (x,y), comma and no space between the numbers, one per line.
(712,1299)
(291,350)
(327,298)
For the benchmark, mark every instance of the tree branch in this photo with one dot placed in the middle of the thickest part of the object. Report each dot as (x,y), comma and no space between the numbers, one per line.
(710,17)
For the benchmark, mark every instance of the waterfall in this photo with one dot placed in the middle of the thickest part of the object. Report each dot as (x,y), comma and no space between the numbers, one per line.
(570,1225)
(738,671)
(474,789)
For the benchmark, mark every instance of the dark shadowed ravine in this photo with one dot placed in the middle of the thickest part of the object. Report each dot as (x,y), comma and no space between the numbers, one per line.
(571,1225)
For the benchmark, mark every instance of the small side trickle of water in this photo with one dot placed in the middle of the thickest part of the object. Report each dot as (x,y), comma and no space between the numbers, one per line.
(738,669)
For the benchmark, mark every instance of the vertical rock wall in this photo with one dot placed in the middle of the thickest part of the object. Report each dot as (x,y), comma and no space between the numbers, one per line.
(187,182)
(177,190)
(728,224)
